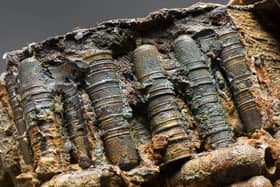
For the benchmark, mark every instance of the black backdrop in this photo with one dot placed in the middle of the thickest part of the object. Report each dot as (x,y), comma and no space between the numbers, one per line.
(26,21)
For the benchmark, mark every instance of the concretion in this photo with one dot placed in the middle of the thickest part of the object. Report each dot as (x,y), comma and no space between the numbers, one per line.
(122,104)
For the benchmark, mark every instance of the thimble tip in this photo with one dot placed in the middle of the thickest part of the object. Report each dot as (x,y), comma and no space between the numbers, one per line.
(29,59)
(144,47)
(183,37)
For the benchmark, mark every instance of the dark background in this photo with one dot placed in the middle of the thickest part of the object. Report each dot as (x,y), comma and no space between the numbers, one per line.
(26,21)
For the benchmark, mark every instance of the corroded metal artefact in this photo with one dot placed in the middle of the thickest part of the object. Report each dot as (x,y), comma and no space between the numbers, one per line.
(224,166)
(74,129)
(23,139)
(202,94)
(238,74)
(74,122)
(165,117)
(104,90)
(97,149)
(9,165)
(140,134)
(37,102)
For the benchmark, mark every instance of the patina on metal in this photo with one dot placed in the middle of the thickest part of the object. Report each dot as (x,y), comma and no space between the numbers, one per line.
(165,116)
(74,122)
(139,132)
(14,100)
(239,76)
(37,102)
(104,91)
(202,94)
(74,126)
(97,149)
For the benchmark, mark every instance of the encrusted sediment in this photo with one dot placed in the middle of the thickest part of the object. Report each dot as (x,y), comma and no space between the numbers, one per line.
(99,176)
(37,99)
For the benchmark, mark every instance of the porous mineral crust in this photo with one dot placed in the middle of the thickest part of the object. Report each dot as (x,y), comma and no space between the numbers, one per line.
(181,97)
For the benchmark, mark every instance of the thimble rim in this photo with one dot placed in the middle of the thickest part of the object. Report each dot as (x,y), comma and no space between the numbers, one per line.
(226,32)
(98,55)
